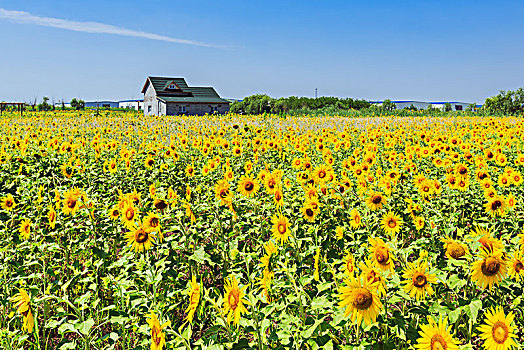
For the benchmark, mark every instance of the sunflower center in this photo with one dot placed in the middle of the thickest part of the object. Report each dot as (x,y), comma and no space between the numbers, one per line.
(362,298)
(496,204)
(154,222)
(141,236)
(382,255)
(309,212)
(233,299)
(71,203)
(419,280)
(130,213)
(322,174)
(281,228)
(223,193)
(500,332)
(278,196)
(438,342)
(8,203)
(456,251)
(377,199)
(392,223)
(249,186)
(519,266)
(490,266)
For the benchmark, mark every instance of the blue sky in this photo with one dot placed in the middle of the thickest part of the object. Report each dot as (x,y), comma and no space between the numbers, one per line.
(420,50)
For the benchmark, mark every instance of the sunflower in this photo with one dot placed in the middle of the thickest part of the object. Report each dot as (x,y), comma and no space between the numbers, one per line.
(51,216)
(375,200)
(356,219)
(516,266)
(158,338)
(129,214)
(487,240)
(435,336)
(498,331)
(149,162)
(190,170)
(25,229)
(374,275)
(417,283)
(222,192)
(234,300)
(496,206)
(360,299)
(266,261)
(139,238)
(349,264)
(278,197)
(308,212)
(454,249)
(71,201)
(114,212)
(248,186)
(23,304)
(380,254)
(8,202)
(152,224)
(339,233)
(490,269)
(265,284)
(321,173)
(194,298)
(280,228)
(419,222)
(391,223)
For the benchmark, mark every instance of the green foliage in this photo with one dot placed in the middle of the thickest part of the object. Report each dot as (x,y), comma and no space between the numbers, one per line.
(259,104)
(44,106)
(507,102)
(77,104)
(387,105)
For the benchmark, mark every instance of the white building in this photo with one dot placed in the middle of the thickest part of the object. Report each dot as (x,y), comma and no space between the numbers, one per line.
(455,106)
(132,104)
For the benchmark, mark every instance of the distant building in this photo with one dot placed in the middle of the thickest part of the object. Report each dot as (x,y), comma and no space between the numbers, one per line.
(455,106)
(131,104)
(102,104)
(172,96)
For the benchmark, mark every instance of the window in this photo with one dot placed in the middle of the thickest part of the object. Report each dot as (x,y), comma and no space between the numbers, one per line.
(181,109)
(458,107)
(172,86)
(214,109)
(148,109)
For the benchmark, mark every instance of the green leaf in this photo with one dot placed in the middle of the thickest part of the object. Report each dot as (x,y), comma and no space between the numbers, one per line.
(473,309)
(308,332)
(454,315)
(199,255)
(85,327)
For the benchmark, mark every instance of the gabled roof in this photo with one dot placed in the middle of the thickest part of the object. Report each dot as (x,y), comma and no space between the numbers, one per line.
(185,94)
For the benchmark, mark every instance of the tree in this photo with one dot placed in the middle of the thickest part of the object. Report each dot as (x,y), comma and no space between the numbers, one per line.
(44,106)
(471,107)
(77,104)
(388,105)
(447,107)
(506,102)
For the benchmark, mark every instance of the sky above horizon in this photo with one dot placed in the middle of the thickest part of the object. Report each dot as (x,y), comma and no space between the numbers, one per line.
(410,50)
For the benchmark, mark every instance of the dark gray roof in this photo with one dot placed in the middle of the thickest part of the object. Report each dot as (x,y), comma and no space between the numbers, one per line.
(185,94)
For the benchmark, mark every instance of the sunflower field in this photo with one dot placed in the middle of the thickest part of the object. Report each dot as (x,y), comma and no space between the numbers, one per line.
(261,232)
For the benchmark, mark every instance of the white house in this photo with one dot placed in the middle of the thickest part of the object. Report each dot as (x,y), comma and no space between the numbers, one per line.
(455,106)
(131,104)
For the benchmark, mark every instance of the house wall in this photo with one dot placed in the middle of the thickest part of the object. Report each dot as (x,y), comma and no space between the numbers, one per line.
(197,108)
(150,101)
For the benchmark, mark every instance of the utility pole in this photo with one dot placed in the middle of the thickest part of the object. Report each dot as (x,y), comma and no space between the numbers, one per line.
(316,92)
